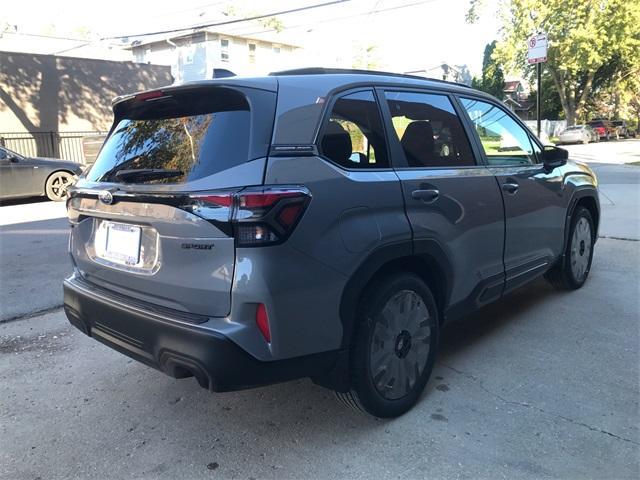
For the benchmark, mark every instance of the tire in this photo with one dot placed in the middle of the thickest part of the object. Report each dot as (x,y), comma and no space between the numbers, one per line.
(57,184)
(389,345)
(572,271)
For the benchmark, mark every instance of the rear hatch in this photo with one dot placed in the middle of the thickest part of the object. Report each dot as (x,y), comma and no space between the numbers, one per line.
(151,218)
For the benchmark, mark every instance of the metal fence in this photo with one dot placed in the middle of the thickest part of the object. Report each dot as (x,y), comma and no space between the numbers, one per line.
(63,145)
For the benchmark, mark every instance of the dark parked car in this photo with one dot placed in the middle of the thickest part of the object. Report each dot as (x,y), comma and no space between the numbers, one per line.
(316,223)
(34,176)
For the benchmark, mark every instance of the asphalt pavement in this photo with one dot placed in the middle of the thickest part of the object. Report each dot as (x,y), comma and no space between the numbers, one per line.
(541,384)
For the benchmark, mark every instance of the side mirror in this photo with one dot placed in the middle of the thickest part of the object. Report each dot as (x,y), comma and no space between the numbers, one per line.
(554,157)
(13,159)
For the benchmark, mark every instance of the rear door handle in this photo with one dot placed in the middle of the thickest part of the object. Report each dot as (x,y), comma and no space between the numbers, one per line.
(510,187)
(427,196)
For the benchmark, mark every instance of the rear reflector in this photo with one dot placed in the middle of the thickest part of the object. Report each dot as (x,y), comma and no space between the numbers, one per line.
(262,321)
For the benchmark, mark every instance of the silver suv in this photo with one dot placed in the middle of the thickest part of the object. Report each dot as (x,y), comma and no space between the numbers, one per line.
(316,223)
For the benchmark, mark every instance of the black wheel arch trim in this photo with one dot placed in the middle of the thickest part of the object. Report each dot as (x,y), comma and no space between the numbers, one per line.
(578,194)
(428,250)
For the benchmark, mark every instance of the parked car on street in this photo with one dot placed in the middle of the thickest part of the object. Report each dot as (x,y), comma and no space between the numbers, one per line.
(34,176)
(578,134)
(621,128)
(604,129)
(316,223)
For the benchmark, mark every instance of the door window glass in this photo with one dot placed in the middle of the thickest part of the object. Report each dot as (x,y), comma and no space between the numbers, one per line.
(503,140)
(354,137)
(429,130)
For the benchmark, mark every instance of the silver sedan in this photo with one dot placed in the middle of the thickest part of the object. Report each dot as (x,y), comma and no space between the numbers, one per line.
(577,134)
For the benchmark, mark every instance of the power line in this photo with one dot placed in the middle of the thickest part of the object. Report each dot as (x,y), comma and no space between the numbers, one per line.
(41,35)
(191,9)
(228,22)
(346,17)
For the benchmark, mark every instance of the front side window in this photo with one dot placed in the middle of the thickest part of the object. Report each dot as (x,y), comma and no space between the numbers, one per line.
(354,137)
(503,140)
(429,130)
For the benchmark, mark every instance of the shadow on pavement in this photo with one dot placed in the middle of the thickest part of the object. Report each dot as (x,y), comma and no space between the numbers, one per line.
(23,201)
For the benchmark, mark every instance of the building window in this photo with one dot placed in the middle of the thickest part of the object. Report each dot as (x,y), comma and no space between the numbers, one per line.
(224,49)
(252,53)
(276,50)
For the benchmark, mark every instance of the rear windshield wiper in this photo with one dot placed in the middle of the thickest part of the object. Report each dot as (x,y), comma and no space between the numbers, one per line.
(147,174)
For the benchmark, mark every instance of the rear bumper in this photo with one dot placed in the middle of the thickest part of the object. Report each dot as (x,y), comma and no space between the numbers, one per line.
(177,346)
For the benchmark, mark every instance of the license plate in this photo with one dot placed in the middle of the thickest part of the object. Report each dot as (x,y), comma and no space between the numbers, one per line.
(122,243)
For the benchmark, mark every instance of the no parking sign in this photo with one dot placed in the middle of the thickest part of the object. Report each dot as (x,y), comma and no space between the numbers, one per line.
(537,45)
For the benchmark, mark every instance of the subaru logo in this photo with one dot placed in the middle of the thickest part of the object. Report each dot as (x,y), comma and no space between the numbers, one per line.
(106,197)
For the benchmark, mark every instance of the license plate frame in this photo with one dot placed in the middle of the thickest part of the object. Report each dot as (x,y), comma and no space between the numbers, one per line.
(122,243)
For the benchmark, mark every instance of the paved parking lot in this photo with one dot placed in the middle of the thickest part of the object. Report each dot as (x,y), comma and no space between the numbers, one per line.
(540,385)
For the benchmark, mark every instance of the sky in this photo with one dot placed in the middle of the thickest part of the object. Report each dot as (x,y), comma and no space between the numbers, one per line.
(406,34)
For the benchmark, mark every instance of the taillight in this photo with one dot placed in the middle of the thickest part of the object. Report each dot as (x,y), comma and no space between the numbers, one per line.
(255,216)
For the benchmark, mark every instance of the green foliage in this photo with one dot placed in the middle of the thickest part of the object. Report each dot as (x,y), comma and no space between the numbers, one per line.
(271,23)
(492,80)
(587,40)
(365,57)
(550,105)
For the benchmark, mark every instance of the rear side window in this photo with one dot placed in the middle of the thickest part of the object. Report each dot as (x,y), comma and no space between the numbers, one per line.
(190,136)
(429,130)
(354,137)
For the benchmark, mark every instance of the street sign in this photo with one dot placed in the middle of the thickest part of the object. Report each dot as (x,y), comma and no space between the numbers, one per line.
(537,45)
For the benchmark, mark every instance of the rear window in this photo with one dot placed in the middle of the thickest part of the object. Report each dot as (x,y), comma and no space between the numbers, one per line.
(595,124)
(185,135)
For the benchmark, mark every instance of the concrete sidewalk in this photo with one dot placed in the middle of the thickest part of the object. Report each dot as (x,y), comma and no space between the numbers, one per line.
(619,187)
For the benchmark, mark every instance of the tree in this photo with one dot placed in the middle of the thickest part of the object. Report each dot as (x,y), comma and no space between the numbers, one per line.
(492,80)
(365,56)
(550,106)
(584,36)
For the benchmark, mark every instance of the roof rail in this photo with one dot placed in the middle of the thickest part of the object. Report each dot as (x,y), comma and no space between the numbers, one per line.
(347,71)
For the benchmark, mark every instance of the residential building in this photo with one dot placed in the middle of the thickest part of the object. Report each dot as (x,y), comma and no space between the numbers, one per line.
(195,55)
(516,97)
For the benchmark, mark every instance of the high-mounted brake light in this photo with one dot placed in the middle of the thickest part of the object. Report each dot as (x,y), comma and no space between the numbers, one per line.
(255,216)
(141,97)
